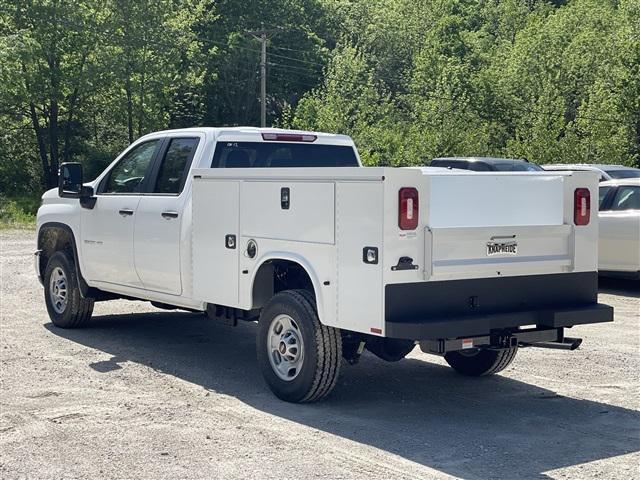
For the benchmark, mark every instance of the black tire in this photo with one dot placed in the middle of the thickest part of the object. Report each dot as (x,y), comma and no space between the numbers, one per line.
(318,372)
(77,310)
(480,362)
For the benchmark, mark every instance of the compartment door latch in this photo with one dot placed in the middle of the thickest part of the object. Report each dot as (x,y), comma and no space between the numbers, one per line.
(404,263)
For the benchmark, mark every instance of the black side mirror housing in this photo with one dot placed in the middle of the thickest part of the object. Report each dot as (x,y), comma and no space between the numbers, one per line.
(70,180)
(70,184)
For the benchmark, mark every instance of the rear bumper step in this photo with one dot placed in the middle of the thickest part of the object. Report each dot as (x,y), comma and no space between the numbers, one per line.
(476,325)
(566,344)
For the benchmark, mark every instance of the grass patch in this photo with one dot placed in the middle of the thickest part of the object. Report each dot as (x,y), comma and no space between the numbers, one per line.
(18,212)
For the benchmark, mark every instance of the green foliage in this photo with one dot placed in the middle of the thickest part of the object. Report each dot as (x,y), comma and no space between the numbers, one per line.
(18,212)
(553,81)
(549,81)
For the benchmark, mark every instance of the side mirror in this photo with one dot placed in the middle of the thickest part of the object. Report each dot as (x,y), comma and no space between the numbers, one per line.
(70,180)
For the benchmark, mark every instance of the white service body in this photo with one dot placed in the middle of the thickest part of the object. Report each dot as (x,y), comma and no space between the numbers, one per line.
(334,214)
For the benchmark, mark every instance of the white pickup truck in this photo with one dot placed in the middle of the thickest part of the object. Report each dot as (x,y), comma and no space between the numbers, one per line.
(287,228)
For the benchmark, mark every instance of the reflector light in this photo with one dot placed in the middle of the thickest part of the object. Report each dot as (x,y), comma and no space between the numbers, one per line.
(289,137)
(408,207)
(581,206)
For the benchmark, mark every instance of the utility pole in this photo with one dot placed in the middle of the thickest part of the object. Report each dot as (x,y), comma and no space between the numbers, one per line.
(263,36)
(263,80)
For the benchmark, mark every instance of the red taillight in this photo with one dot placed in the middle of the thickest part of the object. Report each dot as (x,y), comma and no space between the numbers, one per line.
(289,137)
(581,206)
(408,208)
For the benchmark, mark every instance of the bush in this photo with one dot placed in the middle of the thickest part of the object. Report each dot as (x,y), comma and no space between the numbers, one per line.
(18,211)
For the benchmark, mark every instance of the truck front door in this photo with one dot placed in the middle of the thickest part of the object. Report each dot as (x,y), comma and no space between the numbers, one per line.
(107,229)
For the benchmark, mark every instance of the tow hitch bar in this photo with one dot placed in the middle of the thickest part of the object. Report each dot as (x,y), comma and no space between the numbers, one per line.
(565,344)
(541,338)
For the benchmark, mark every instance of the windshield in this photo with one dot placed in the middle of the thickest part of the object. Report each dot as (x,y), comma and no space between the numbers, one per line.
(631,173)
(516,166)
(281,154)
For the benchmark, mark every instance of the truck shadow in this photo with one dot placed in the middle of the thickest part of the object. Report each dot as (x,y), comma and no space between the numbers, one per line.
(493,427)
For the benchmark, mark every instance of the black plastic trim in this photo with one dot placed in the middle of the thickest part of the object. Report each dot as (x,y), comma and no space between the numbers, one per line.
(620,274)
(454,308)
(84,288)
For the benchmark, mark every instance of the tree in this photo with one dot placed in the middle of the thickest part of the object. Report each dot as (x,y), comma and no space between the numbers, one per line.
(48,45)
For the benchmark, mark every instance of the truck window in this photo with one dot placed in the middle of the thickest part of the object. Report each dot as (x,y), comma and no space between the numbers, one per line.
(281,154)
(461,164)
(631,173)
(479,167)
(602,194)
(516,166)
(627,198)
(129,173)
(175,165)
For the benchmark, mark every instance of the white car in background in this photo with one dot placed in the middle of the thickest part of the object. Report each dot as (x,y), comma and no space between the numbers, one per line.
(606,172)
(619,247)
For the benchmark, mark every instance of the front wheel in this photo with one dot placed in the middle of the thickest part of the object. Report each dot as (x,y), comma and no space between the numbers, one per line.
(478,362)
(66,306)
(299,357)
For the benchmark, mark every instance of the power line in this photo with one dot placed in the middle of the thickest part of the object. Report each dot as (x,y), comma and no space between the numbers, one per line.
(275,47)
(452,99)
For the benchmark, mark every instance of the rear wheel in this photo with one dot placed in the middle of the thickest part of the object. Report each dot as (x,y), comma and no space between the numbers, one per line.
(66,306)
(299,357)
(479,362)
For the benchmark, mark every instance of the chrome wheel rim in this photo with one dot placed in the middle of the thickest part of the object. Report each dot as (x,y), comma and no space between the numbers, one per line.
(58,290)
(285,347)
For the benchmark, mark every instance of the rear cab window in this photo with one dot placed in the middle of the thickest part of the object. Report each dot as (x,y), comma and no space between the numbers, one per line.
(282,155)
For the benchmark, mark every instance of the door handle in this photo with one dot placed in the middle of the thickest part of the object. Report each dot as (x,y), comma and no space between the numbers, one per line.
(168,215)
(125,212)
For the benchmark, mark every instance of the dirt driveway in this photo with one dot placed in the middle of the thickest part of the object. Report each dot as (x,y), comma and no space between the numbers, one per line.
(143,393)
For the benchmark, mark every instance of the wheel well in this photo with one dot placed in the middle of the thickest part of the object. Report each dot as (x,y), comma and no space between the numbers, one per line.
(52,239)
(277,275)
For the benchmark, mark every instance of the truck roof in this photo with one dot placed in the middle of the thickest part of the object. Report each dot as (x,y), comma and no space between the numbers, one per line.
(254,133)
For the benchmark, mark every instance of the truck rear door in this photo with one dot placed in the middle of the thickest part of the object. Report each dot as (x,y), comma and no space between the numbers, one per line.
(157,244)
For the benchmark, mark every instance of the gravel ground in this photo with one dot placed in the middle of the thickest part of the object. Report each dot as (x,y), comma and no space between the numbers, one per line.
(143,393)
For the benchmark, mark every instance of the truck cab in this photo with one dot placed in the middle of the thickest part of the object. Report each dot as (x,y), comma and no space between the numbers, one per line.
(331,258)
